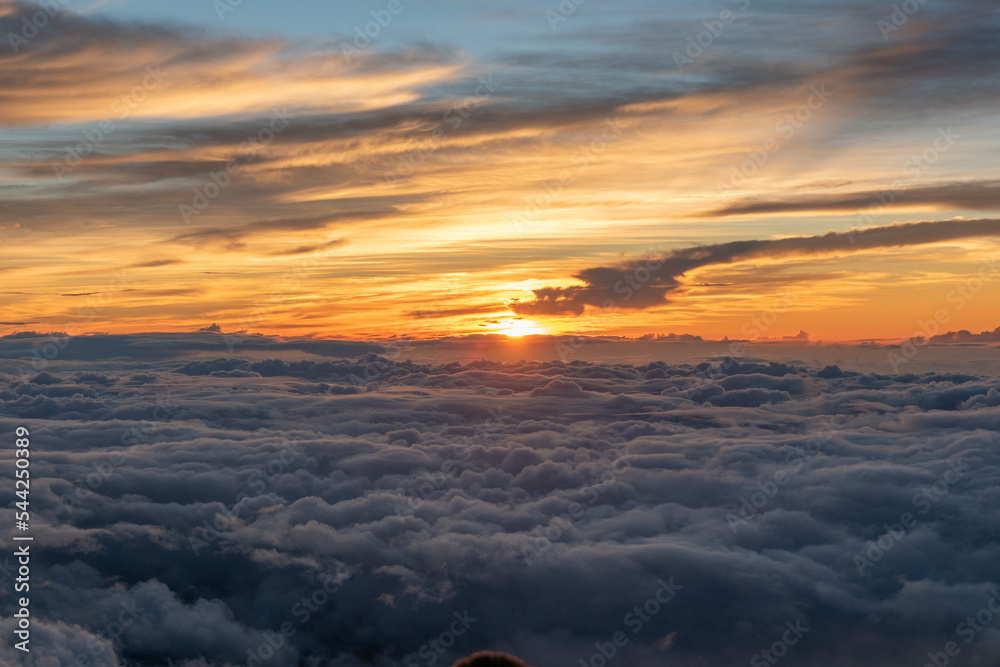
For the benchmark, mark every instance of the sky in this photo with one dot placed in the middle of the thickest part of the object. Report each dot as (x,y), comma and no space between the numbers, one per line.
(380,333)
(598,168)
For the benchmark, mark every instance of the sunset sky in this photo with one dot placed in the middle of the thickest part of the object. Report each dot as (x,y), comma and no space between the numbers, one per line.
(273,169)
(376,333)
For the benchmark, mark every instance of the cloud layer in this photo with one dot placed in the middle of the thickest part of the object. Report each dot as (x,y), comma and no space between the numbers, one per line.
(375,511)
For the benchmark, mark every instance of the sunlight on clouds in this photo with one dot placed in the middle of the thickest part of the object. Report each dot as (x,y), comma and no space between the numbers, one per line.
(527,191)
(515,328)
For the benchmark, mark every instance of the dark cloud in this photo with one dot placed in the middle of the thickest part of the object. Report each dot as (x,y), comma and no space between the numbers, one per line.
(437,509)
(235,236)
(30,346)
(973,195)
(305,249)
(948,49)
(966,337)
(155,263)
(647,283)
(93,293)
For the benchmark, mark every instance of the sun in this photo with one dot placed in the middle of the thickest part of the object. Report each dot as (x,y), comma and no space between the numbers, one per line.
(515,328)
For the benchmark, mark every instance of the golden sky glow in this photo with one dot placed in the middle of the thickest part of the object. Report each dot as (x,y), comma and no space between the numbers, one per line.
(421,188)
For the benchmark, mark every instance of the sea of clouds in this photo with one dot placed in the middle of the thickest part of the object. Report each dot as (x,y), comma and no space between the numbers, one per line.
(199,510)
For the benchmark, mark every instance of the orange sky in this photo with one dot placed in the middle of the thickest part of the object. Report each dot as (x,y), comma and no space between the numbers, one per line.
(419,188)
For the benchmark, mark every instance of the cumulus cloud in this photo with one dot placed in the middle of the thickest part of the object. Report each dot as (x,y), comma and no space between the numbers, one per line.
(964,337)
(376,511)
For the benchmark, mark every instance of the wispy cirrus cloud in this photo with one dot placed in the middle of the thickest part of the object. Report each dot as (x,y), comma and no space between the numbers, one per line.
(130,70)
(305,249)
(969,195)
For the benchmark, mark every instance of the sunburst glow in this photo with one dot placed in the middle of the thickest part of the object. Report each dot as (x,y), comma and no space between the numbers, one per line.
(516,327)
